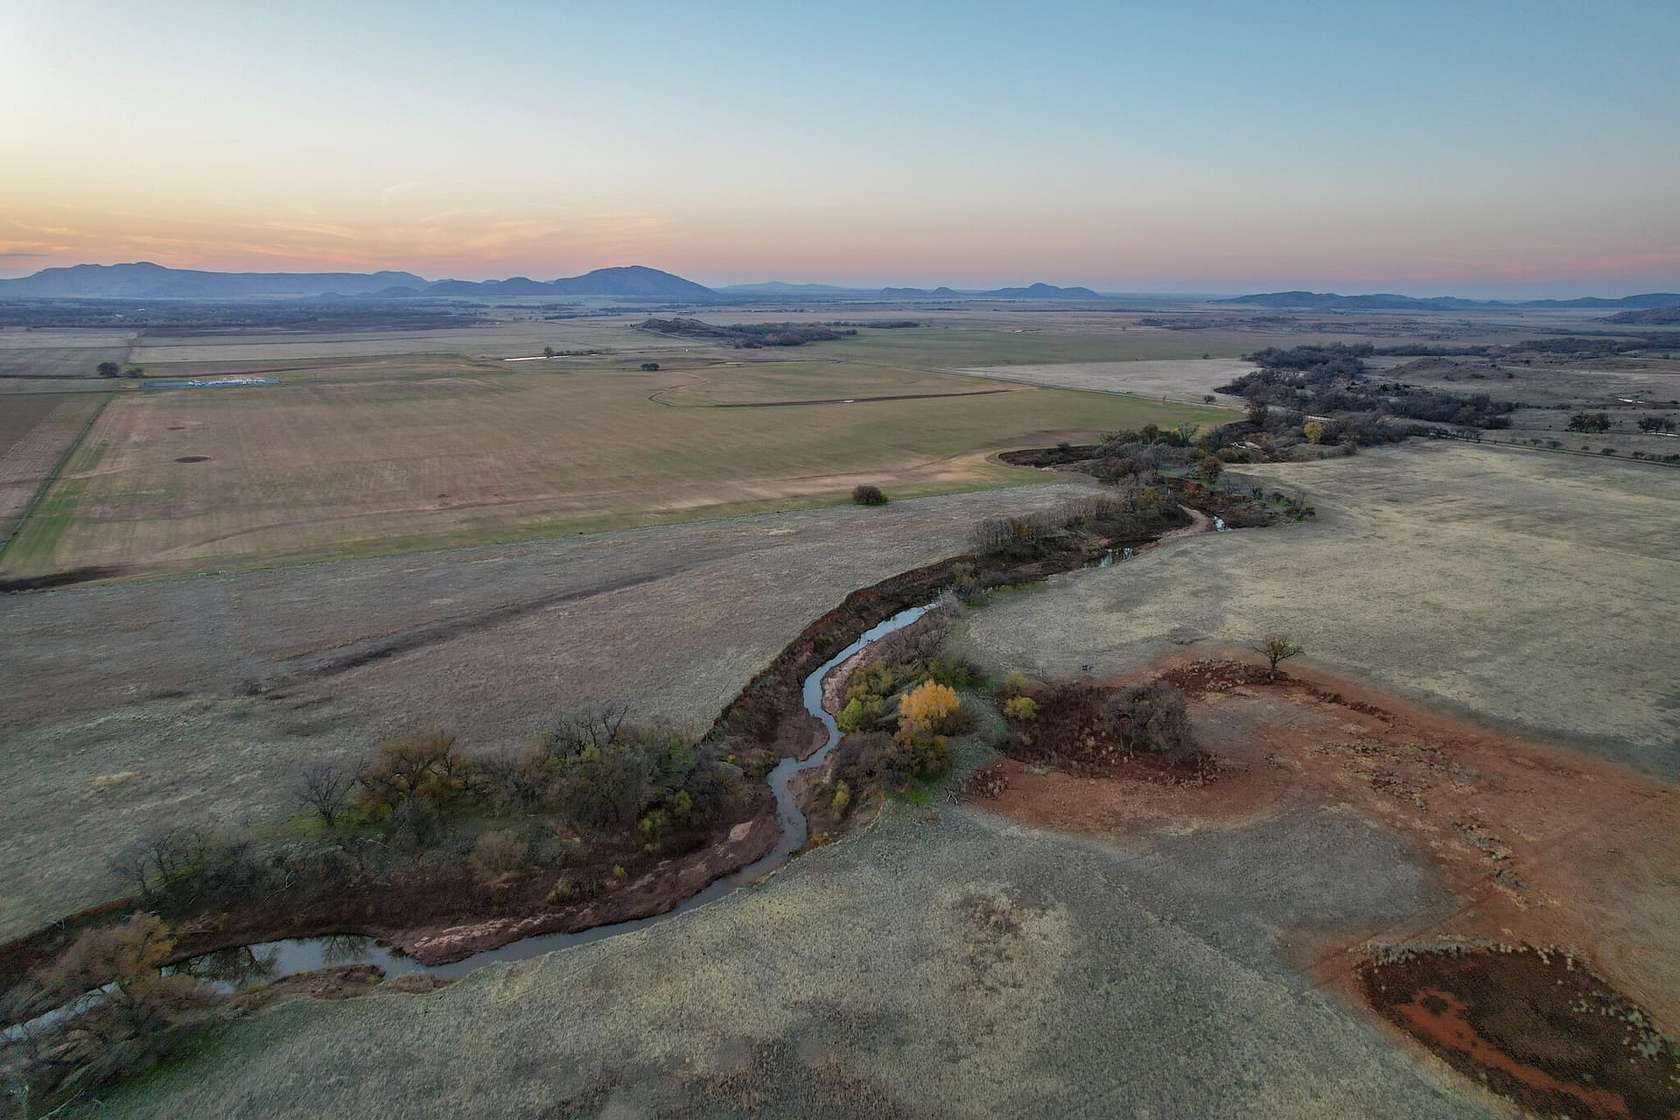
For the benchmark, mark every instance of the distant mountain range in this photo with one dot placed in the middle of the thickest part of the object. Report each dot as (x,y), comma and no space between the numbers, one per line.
(144,280)
(1387,301)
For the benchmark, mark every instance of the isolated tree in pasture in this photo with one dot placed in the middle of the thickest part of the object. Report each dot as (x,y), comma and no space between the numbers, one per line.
(548,351)
(1276,649)
(109,369)
(135,371)
(1207,398)
(650,367)
(866,495)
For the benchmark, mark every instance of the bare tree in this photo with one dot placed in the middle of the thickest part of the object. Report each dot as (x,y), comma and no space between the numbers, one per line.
(158,858)
(594,727)
(1276,649)
(321,787)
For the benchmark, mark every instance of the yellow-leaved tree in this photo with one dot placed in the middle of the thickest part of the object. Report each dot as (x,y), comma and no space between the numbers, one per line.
(928,709)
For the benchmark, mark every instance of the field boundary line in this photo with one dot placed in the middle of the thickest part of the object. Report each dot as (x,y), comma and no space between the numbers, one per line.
(15,530)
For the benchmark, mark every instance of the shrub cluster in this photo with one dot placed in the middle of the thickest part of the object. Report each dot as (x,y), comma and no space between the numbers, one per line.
(1334,379)
(865,495)
(1151,719)
(748,336)
(1087,728)
(1140,511)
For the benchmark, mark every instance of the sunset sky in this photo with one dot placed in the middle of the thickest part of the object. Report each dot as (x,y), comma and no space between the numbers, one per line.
(1471,148)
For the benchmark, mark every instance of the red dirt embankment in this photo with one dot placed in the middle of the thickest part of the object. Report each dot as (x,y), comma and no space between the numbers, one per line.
(1541,845)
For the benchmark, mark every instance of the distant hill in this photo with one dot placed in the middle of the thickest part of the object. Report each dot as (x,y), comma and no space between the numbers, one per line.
(1330,301)
(1647,300)
(1388,301)
(1649,316)
(635,280)
(144,280)
(1031,291)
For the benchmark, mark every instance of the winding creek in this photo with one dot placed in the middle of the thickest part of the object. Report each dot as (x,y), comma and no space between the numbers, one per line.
(272,960)
(238,967)
(241,966)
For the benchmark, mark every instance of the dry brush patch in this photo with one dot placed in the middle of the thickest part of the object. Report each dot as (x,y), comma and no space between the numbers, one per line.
(1533,1024)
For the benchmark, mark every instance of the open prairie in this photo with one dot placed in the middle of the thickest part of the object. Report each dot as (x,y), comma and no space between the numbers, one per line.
(1045,933)
(1537,591)
(1479,599)
(946,963)
(184,479)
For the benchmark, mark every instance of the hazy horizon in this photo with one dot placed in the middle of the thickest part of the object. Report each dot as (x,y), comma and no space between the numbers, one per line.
(1421,149)
(868,287)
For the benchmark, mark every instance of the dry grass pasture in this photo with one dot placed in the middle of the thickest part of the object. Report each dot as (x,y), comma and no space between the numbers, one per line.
(946,963)
(136,704)
(182,479)
(1536,591)
(949,960)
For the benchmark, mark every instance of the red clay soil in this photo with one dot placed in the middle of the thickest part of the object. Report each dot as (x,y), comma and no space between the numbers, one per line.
(1536,1026)
(1541,845)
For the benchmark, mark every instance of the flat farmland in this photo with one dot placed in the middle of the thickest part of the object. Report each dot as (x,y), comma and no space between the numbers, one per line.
(32,356)
(35,433)
(185,479)
(1181,379)
(515,338)
(57,361)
